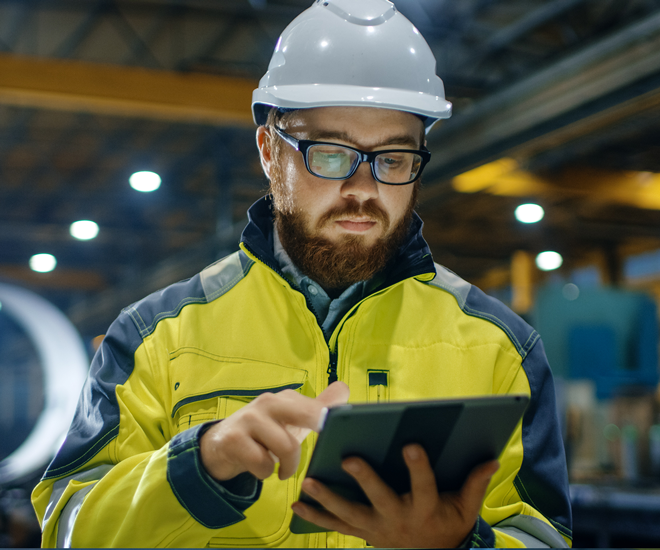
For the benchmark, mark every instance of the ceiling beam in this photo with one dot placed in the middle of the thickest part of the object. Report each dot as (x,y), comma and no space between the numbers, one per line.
(529,22)
(125,91)
(506,119)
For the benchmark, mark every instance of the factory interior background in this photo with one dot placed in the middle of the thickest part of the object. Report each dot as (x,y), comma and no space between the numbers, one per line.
(128,161)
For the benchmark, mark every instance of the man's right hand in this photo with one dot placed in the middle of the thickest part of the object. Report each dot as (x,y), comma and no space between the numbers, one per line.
(241,442)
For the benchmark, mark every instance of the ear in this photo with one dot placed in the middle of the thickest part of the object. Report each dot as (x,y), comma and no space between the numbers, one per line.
(265,151)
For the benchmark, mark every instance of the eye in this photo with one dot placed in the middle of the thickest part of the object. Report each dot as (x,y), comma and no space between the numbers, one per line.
(389,160)
(392,159)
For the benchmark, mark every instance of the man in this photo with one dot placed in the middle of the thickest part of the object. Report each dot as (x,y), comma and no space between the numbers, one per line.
(332,284)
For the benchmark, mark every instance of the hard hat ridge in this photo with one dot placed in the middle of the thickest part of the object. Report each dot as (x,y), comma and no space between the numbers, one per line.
(367,12)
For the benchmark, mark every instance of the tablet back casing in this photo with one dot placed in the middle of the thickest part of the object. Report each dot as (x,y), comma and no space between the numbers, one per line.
(457,435)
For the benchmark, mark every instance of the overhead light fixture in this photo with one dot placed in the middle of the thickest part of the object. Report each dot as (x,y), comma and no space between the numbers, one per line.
(529,213)
(43,263)
(84,230)
(549,260)
(145,181)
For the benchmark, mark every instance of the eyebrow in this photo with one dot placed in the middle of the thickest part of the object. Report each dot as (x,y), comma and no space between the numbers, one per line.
(401,139)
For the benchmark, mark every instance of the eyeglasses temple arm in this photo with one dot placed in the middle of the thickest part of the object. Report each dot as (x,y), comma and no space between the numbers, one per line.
(289,139)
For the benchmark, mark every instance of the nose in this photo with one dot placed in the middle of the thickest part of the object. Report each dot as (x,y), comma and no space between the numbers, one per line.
(361,186)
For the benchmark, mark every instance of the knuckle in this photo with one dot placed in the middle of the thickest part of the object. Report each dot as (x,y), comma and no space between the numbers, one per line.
(290,445)
(250,414)
(257,400)
(265,399)
(263,467)
(231,438)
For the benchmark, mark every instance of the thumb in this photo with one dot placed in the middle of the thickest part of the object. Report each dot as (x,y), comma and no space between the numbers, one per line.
(335,394)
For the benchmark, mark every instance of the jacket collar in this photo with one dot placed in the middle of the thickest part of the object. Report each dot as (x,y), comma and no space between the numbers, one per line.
(414,257)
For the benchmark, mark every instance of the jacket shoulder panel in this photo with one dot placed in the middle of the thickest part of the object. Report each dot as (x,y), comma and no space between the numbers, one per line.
(96,421)
(208,285)
(474,302)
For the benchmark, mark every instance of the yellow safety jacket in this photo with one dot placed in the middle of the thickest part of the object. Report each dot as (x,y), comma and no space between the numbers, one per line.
(129,473)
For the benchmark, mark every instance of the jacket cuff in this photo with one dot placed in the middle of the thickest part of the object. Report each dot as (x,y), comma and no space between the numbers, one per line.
(482,536)
(206,500)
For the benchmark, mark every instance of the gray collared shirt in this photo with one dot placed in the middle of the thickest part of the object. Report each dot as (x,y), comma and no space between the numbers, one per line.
(328,311)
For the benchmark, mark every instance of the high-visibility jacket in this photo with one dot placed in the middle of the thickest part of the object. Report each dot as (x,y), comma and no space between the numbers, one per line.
(129,472)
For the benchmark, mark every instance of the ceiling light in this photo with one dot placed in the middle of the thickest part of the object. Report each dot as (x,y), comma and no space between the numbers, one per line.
(529,213)
(84,230)
(549,260)
(145,181)
(43,263)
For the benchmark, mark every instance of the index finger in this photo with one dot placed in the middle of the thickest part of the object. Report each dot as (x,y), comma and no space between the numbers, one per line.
(290,407)
(335,394)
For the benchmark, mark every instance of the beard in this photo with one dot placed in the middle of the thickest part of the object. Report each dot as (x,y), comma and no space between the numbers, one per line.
(336,265)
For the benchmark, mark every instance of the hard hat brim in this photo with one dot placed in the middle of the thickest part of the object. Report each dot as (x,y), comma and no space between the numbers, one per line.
(308,96)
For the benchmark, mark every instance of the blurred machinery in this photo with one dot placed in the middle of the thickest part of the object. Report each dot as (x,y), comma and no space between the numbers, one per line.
(603,346)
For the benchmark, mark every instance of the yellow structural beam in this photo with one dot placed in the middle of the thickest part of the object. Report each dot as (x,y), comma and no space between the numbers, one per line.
(506,177)
(124,91)
(522,281)
(60,278)
(500,177)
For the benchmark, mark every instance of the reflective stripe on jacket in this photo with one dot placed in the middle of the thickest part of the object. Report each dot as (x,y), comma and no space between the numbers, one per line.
(129,473)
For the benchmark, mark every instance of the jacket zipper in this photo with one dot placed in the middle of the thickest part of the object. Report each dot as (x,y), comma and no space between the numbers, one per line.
(332,367)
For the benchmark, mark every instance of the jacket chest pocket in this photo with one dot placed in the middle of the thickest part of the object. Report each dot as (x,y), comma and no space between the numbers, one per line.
(209,387)
(219,404)
(197,412)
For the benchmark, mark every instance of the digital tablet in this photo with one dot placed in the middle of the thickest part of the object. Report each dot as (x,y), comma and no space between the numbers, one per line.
(457,434)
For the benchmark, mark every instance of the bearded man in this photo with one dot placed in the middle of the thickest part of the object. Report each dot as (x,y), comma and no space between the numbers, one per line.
(192,428)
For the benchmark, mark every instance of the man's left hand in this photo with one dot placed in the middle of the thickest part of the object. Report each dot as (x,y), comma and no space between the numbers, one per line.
(422,518)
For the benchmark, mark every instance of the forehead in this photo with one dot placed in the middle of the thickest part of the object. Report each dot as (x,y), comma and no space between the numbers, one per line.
(361,125)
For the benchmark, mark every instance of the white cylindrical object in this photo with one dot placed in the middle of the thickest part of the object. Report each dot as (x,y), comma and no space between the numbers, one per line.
(64,362)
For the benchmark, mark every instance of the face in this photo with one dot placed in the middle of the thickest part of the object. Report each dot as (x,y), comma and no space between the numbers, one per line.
(340,231)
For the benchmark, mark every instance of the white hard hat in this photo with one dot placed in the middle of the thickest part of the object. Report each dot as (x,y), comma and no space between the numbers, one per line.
(352,53)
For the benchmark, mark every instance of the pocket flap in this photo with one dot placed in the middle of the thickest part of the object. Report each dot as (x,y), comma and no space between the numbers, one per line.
(229,377)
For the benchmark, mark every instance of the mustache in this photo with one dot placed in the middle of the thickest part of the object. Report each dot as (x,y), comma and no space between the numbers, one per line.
(369,209)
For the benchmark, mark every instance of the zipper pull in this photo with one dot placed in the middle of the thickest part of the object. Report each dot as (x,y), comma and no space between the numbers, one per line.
(332,368)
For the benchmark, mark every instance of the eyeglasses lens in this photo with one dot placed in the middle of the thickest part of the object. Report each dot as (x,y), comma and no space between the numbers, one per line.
(337,162)
(397,167)
(331,162)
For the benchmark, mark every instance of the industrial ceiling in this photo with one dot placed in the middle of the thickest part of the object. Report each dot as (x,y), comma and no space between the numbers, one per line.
(555,101)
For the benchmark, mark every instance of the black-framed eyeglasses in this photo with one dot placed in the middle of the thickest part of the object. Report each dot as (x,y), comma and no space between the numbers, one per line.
(339,162)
